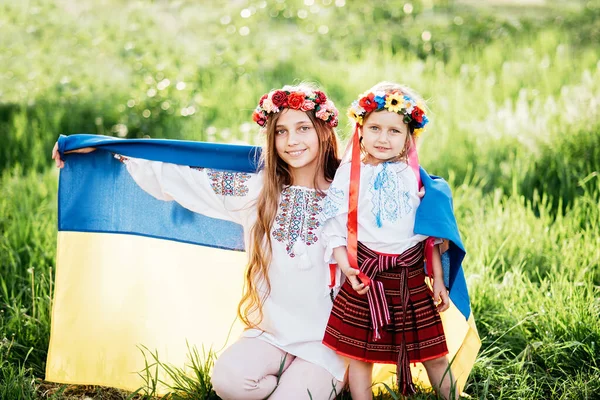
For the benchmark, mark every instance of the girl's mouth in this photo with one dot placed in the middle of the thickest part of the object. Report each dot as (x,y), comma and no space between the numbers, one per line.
(296,153)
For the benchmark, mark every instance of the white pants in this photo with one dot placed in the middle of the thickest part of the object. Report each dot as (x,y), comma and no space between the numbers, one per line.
(249,368)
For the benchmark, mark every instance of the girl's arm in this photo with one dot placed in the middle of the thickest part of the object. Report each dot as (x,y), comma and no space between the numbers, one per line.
(440,293)
(340,254)
(334,218)
(217,194)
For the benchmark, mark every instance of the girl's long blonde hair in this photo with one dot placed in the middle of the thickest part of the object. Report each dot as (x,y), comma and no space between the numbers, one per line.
(277,175)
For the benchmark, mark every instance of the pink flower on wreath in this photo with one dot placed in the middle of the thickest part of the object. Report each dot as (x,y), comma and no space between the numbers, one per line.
(295,100)
(331,107)
(307,105)
(259,118)
(334,122)
(323,113)
(269,107)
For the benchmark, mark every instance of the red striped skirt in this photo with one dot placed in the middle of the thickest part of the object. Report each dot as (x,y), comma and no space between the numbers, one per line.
(419,327)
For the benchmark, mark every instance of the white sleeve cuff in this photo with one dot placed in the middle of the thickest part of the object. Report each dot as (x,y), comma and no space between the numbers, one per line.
(332,243)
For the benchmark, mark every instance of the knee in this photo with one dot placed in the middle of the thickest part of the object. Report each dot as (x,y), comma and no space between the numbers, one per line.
(217,378)
(440,363)
(231,380)
(224,381)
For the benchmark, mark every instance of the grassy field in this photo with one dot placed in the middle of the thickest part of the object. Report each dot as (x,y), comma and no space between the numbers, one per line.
(515,97)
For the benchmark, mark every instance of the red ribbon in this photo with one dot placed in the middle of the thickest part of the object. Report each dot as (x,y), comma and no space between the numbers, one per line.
(332,269)
(353,207)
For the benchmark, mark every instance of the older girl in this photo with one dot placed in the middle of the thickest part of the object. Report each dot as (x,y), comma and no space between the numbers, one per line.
(286,300)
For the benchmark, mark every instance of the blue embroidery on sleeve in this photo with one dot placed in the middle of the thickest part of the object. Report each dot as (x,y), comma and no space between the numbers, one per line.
(332,203)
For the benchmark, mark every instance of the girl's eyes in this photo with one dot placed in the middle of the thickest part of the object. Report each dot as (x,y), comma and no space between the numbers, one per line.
(392,131)
(301,129)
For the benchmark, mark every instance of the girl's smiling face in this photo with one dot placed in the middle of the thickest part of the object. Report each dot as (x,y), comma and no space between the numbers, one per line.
(296,140)
(384,135)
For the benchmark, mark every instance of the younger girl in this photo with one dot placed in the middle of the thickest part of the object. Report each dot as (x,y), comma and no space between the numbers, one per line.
(373,200)
(286,301)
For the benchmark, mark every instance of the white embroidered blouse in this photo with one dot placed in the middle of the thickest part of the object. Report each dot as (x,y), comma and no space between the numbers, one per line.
(297,309)
(387,205)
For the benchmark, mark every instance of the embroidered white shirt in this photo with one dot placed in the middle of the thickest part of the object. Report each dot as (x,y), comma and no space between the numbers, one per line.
(297,309)
(387,205)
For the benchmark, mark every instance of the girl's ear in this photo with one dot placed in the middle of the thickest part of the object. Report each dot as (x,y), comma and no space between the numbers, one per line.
(407,144)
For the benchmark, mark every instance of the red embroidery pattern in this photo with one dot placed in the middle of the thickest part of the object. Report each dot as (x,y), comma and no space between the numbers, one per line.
(227,183)
(297,217)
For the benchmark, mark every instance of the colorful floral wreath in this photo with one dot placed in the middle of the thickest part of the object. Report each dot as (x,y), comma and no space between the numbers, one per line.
(276,100)
(396,101)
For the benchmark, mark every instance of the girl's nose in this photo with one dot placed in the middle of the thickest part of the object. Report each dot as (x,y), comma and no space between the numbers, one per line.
(383,137)
(293,139)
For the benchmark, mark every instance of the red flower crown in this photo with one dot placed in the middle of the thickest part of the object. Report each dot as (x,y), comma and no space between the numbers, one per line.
(276,100)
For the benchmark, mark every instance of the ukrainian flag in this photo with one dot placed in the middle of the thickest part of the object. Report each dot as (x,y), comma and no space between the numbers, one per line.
(134,272)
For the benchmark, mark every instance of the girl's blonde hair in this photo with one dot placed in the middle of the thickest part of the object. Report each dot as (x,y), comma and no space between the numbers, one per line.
(277,175)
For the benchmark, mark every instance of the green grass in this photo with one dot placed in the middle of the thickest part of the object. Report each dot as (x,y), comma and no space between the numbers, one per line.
(514,93)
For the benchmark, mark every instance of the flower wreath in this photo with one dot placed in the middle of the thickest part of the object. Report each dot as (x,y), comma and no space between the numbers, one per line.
(276,100)
(397,102)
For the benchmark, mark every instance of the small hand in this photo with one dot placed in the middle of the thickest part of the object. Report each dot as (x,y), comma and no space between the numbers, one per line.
(440,295)
(357,285)
(421,193)
(56,155)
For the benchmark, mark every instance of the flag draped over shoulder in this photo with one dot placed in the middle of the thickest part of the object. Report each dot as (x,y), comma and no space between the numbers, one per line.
(134,272)
(435,218)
